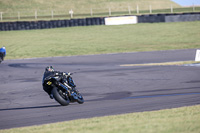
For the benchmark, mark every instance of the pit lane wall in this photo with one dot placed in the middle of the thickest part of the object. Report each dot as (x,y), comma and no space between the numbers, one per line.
(153,18)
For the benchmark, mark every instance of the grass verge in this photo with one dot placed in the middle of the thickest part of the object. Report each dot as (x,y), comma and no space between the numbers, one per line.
(177,120)
(163,64)
(100,39)
(81,6)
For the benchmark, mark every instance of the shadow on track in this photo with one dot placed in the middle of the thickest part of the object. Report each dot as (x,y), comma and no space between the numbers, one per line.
(36,107)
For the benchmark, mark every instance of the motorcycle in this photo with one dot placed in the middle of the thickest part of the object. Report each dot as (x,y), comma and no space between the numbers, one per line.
(64,90)
(1,57)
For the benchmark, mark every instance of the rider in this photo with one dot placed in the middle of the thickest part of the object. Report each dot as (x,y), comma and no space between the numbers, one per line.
(2,52)
(50,72)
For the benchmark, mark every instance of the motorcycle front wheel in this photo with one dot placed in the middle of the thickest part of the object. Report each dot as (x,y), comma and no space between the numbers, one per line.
(80,99)
(60,97)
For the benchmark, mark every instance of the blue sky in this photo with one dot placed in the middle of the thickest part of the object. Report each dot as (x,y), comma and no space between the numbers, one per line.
(187,2)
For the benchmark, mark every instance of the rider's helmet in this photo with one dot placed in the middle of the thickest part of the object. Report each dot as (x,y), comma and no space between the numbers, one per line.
(49,68)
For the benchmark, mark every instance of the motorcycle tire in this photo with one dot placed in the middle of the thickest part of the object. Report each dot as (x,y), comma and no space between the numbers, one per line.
(57,96)
(80,99)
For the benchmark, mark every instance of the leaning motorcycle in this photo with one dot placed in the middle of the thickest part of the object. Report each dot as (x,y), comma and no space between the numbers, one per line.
(1,57)
(64,90)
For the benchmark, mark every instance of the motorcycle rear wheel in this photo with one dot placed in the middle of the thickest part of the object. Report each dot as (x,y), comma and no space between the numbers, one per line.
(59,98)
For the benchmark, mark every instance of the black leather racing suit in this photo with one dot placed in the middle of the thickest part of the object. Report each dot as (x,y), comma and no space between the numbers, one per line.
(46,76)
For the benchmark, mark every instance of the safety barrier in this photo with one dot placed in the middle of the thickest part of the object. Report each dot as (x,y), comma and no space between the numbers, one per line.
(178,17)
(182,17)
(153,18)
(29,25)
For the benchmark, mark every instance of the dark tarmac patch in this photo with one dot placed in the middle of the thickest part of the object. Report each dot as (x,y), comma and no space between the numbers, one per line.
(18,65)
(29,80)
(113,96)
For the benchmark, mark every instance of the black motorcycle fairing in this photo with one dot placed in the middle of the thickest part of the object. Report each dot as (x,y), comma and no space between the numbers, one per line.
(70,81)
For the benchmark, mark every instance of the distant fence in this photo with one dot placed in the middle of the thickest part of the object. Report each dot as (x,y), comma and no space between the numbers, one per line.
(92,12)
(152,18)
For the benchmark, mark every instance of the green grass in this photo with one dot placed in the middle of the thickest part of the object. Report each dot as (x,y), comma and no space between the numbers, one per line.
(79,5)
(82,8)
(100,39)
(177,120)
(24,10)
(61,15)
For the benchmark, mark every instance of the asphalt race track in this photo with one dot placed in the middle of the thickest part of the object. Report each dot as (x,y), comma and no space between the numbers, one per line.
(107,87)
